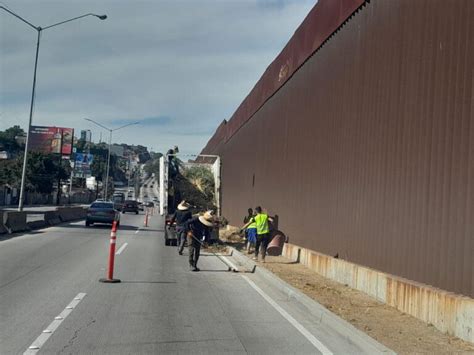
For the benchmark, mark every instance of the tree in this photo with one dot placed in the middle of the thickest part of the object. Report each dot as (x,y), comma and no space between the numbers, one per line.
(8,139)
(42,171)
(153,166)
(202,178)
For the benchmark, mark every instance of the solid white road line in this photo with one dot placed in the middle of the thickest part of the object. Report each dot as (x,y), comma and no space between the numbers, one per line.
(124,245)
(311,338)
(41,340)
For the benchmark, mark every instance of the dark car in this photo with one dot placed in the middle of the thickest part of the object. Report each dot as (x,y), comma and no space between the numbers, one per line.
(140,206)
(102,212)
(130,206)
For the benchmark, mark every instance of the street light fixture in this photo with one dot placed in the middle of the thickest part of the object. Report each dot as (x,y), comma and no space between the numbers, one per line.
(110,142)
(39,30)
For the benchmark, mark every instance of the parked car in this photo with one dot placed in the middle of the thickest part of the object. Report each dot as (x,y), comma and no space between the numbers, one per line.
(140,206)
(102,212)
(130,206)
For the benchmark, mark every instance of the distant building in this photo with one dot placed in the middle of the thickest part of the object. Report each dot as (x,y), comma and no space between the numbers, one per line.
(86,135)
(4,155)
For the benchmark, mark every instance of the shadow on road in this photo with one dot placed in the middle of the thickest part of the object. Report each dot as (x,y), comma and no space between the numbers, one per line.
(148,282)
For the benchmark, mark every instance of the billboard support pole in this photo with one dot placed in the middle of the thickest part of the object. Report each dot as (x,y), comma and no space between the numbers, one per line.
(73,165)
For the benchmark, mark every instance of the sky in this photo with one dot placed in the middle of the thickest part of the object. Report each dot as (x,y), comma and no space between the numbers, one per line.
(178,67)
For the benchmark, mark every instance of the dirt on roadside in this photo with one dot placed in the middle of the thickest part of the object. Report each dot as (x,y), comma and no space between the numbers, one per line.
(398,331)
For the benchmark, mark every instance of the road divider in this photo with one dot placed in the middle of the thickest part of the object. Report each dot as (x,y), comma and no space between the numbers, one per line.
(15,221)
(113,241)
(67,214)
(3,228)
(52,218)
(38,224)
(145,222)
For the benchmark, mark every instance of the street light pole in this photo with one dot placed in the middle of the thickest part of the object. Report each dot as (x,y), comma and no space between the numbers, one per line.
(39,30)
(108,166)
(25,155)
(110,143)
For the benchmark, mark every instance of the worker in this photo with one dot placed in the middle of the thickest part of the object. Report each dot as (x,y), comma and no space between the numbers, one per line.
(181,216)
(199,231)
(250,231)
(263,231)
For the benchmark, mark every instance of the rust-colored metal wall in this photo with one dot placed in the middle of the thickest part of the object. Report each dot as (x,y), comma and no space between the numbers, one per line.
(367,150)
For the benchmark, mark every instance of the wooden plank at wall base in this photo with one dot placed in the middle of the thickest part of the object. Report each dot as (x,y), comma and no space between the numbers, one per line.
(450,313)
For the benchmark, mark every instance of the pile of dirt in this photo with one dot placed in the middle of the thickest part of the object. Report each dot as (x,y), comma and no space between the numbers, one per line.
(230,234)
(216,248)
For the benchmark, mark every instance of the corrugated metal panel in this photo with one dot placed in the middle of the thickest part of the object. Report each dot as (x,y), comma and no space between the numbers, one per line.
(321,22)
(367,151)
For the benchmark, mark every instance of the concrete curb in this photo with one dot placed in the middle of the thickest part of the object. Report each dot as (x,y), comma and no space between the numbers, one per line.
(323,315)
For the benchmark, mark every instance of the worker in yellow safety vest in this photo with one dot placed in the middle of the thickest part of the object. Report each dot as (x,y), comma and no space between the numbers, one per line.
(263,231)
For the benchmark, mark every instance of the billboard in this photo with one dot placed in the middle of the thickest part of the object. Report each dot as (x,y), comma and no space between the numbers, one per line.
(51,140)
(83,162)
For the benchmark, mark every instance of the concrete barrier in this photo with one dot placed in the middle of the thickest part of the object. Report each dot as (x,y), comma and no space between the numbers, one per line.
(3,229)
(15,221)
(67,214)
(37,224)
(52,218)
(450,313)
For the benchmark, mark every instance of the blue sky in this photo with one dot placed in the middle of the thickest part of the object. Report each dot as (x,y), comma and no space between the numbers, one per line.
(178,67)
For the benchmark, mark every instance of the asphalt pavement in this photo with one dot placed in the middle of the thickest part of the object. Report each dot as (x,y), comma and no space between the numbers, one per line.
(52,301)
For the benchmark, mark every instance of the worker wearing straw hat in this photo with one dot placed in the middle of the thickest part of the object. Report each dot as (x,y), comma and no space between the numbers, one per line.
(199,230)
(181,216)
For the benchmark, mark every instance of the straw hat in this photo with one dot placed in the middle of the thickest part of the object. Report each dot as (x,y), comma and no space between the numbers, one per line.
(183,206)
(206,219)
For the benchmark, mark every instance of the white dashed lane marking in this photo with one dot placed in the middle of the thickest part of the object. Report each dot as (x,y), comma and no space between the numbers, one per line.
(121,248)
(41,340)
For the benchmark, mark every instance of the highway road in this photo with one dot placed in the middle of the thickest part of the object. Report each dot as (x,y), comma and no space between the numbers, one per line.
(52,301)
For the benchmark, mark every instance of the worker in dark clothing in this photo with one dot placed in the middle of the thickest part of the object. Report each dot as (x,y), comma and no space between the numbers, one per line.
(181,216)
(199,231)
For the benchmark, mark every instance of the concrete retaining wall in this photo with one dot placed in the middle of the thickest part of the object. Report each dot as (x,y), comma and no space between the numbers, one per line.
(449,312)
